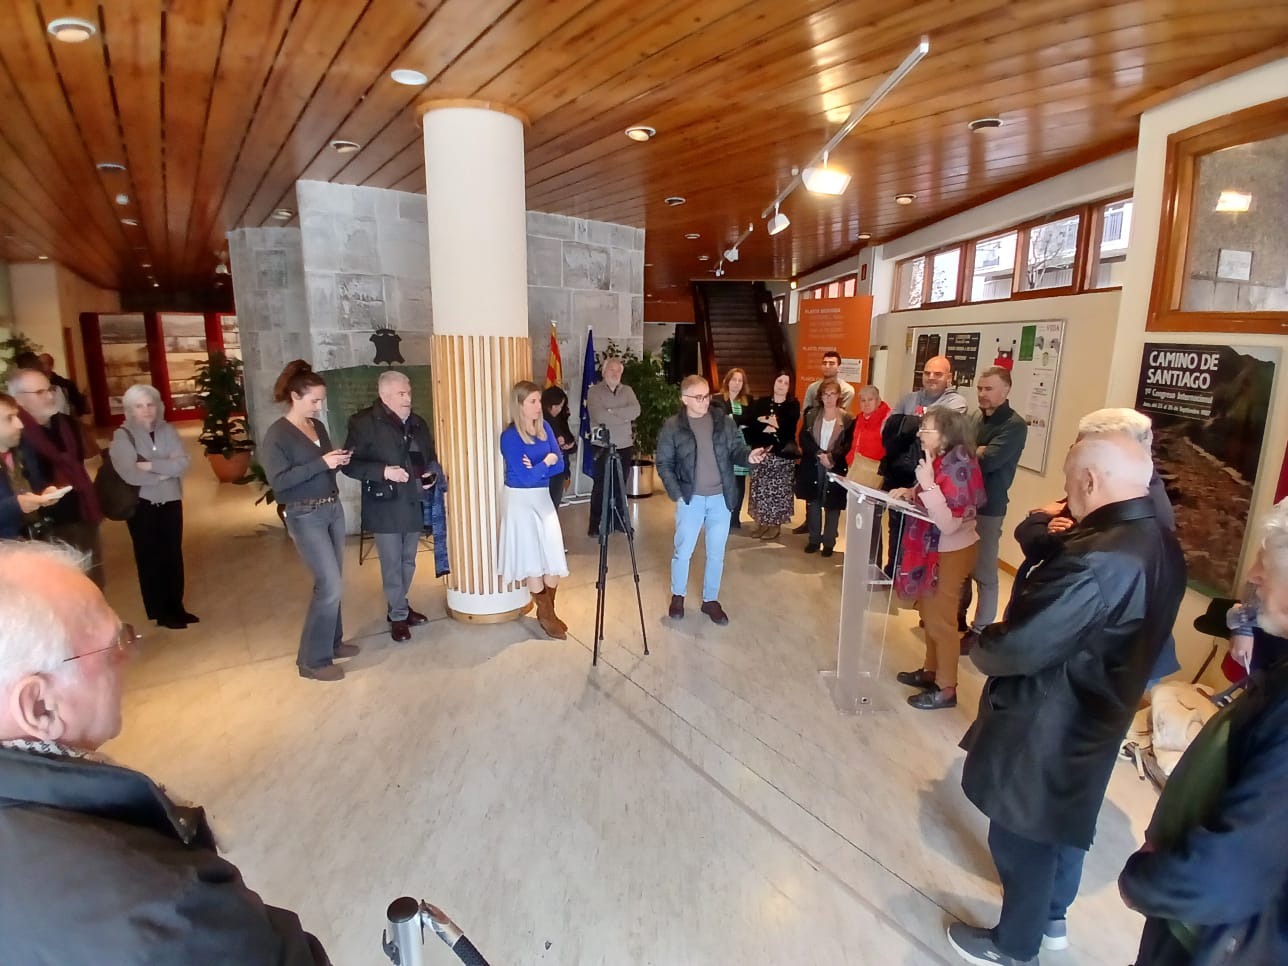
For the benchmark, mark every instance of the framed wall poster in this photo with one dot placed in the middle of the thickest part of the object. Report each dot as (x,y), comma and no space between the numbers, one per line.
(1233,265)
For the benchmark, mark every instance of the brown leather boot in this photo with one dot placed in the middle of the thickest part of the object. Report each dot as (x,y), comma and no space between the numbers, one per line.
(553,592)
(553,627)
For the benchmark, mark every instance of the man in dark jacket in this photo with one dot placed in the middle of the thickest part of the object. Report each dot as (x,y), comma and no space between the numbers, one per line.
(696,454)
(1212,879)
(100,865)
(1066,670)
(392,455)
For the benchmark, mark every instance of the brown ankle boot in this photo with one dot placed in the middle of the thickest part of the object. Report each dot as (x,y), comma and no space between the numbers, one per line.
(553,592)
(551,624)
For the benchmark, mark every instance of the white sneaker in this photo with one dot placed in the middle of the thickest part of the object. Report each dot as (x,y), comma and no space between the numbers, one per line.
(1055,936)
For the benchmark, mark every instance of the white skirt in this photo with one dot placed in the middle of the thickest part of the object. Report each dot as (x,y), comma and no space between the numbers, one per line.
(531,542)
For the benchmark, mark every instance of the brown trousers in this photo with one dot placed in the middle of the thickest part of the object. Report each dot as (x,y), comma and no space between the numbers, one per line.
(939,613)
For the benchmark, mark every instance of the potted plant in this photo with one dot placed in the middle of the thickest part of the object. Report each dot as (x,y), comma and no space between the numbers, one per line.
(223,430)
(659,400)
(259,476)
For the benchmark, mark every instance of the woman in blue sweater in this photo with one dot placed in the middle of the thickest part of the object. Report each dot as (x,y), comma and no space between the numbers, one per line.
(531,547)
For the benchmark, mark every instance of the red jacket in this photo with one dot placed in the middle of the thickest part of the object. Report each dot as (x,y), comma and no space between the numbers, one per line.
(867,434)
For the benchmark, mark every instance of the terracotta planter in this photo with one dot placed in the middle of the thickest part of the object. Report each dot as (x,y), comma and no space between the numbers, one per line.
(230,469)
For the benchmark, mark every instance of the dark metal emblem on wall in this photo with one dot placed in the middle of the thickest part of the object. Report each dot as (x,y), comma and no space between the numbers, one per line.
(387,343)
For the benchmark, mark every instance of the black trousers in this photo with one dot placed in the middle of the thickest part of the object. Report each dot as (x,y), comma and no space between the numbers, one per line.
(597,487)
(156,530)
(1039,883)
(736,522)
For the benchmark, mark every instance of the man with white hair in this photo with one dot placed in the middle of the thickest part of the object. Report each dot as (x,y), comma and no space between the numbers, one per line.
(101,865)
(392,455)
(59,449)
(1212,879)
(1066,669)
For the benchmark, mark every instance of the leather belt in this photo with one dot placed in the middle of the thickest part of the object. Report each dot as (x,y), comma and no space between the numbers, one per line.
(321,501)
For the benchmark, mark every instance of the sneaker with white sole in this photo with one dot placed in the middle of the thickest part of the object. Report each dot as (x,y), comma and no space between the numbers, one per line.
(975,945)
(1055,936)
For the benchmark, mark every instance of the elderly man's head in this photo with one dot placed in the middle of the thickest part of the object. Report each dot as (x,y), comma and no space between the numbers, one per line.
(613,369)
(34,393)
(1269,572)
(395,392)
(1121,421)
(61,650)
(1100,470)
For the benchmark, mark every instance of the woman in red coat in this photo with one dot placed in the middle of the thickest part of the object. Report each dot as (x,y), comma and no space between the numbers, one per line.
(866,453)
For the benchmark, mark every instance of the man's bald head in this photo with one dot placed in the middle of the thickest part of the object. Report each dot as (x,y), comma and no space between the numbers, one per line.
(1100,470)
(936,374)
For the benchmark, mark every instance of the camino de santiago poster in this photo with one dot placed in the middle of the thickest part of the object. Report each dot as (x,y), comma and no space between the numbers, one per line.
(1209,404)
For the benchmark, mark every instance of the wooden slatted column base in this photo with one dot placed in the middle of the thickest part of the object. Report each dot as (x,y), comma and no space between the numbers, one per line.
(472,377)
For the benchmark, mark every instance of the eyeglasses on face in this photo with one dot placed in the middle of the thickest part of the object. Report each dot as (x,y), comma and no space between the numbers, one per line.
(127,639)
(701,399)
(47,391)
(927,429)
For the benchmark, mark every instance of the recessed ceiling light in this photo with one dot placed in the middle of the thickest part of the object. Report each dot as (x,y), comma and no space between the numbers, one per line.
(110,166)
(145,264)
(283,214)
(71,30)
(412,78)
(156,284)
(675,200)
(864,235)
(704,258)
(692,236)
(345,147)
(640,132)
(904,199)
(648,264)
(43,258)
(985,123)
(122,199)
(130,222)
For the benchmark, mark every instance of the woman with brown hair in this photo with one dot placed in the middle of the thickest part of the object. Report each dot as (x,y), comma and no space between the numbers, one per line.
(825,442)
(736,401)
(531,547)
(301,465)
(772,425)
(937,558)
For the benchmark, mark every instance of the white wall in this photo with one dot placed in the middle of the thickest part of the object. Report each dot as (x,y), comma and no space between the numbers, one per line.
(1245,90)
(47,299)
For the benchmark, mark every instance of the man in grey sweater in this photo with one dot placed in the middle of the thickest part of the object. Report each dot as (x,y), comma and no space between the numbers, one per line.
(611,403)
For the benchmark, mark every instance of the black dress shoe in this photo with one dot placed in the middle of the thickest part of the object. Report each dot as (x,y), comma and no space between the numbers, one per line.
(932,700)
(400,631)
(920,678)
(173,623)
(811,548)
(190,618)
(414,618)
(827,552)
(803,528)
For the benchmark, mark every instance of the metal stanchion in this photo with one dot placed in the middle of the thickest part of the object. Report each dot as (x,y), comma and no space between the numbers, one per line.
(404,939)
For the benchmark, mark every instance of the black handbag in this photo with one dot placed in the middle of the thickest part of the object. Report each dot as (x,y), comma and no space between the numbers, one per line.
(116,498)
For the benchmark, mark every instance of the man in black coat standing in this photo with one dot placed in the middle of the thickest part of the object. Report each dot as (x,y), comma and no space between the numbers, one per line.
(392,455)
(1066,671)
(101,866)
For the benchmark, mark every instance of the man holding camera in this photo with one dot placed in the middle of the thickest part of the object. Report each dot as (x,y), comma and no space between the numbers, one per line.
(393,457)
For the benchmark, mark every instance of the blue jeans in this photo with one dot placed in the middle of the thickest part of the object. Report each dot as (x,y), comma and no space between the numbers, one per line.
(318,533)
(1039,883)
(711,513)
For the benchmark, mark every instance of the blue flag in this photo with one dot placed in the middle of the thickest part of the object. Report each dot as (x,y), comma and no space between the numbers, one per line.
(587,380)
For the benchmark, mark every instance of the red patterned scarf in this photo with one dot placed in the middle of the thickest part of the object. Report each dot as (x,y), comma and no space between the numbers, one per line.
(959,478)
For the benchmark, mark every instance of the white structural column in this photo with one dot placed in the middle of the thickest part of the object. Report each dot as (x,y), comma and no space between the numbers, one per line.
(478,261)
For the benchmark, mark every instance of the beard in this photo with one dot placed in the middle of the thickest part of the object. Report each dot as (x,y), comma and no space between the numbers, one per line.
(1272,625)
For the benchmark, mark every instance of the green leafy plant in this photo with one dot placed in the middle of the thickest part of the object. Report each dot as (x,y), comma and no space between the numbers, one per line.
(257,474)
(659,399)
(219,382)
(12,347)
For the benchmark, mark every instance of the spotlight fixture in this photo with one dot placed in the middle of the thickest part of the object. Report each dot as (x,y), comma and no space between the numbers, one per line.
(345,147)
(675,201)
(641,132)
(122,199)
(779,222)
(692,236)
(283,214)
(71,30)
(221,269)
(985,123)
(719,271)
(793,285)
(1234,201)
(112,166)
(130,222)
(824,180)
(704,258)
(731,254)
(410,78)
(904,199)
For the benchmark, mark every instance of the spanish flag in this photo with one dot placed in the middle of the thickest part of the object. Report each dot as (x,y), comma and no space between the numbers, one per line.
(554,367)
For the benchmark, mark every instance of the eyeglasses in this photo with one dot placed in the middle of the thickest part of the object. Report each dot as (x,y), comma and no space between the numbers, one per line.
(700,399)
(47,391)
(127,639)
(927,429)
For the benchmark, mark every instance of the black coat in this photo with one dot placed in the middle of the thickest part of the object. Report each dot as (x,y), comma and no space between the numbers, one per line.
(101,867)
(809,479)
(378,439)
(783,442)
(902,450)
(1066,670)
(677,456)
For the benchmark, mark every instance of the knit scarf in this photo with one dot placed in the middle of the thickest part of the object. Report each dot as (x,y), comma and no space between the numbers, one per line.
(68,468)
(959,478)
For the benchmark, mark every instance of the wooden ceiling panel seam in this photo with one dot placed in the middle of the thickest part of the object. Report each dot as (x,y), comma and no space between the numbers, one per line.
(40,225)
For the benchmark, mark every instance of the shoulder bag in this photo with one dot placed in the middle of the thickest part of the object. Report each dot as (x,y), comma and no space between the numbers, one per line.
(116,498)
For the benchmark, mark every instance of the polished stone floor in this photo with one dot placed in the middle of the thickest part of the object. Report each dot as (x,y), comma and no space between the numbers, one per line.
(703,805)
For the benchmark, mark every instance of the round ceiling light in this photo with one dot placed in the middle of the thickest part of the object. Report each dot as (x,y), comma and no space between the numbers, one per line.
(693,236)
(145,264)
(904,199)
(130,222)
(110,166)
(412,78)
(71,30)
(985,123)
(122,199)
(675,201)
(283,214)
(43,258)
(641,132)
(345,147)
(864,235)
(704,258)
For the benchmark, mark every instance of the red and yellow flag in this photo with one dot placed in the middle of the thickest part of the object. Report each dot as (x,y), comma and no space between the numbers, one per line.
(554,367)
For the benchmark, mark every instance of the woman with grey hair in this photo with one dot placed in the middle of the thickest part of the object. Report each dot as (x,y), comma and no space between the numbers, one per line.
(147,452)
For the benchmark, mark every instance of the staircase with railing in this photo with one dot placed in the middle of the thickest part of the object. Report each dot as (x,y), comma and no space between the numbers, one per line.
(738,326)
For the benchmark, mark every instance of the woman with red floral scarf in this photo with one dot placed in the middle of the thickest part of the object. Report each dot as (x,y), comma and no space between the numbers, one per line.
(937,559)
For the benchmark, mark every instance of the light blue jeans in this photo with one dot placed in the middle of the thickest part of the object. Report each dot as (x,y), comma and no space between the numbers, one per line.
(711,513)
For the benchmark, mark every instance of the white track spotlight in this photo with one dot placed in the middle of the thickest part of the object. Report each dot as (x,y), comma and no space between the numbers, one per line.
(779,222)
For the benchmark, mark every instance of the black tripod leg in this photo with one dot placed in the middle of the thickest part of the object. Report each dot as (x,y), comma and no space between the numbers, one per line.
(635,570)
(601,584)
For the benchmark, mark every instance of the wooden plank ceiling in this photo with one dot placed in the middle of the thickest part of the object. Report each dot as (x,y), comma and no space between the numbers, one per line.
(217,107)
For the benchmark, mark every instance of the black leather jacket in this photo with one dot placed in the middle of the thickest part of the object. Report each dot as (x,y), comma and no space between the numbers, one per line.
(677,455)
(378,439)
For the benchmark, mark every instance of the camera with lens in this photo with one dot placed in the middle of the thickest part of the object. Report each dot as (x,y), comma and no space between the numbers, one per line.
(599,436)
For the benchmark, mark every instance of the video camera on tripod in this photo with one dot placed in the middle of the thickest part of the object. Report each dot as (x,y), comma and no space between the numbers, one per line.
(612,514)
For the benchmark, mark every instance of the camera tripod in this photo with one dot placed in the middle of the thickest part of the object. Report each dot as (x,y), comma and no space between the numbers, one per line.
(610,513)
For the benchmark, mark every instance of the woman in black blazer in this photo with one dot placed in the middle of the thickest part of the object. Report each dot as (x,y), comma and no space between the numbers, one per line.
(825,440)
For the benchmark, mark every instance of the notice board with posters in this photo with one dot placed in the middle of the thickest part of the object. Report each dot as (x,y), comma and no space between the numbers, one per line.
(840,324)
(1030,350)
(1209,404)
